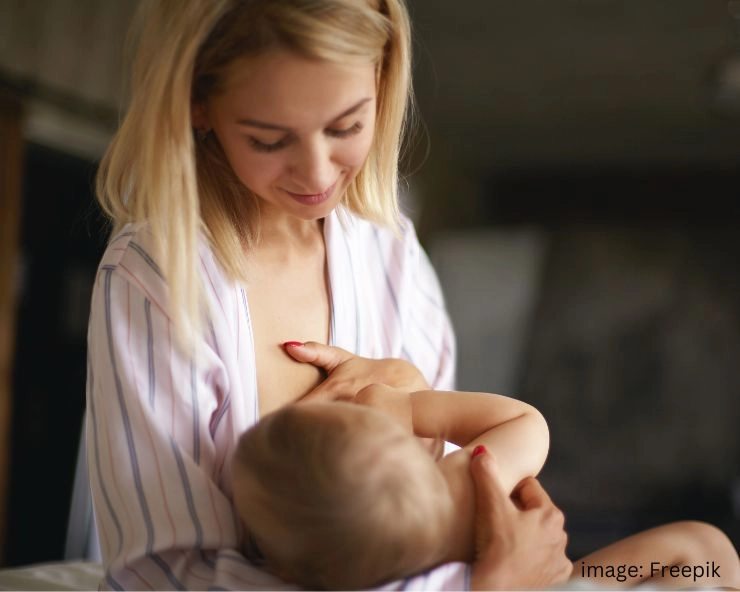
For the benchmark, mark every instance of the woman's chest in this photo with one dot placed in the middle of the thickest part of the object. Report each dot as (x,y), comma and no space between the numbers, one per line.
(287,305)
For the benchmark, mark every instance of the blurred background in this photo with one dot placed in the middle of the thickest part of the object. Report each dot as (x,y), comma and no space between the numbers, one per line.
(576,185)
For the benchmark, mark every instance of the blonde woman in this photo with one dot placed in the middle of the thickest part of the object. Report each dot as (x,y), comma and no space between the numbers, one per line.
(341,496)
(252,189)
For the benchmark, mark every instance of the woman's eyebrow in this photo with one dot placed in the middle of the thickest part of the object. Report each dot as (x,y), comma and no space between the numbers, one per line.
(281,128)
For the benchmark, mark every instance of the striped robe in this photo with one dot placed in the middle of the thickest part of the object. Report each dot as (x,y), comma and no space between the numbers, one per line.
(161,429)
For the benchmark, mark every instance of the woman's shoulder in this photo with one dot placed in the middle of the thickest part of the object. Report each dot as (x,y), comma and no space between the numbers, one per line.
(133,255)
(134,246)
(131,247)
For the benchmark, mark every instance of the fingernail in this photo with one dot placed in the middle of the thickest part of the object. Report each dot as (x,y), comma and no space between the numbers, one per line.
(293,344)
(478,450)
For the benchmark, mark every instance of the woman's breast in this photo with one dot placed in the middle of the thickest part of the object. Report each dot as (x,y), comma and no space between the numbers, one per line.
(277,318)
(281,380)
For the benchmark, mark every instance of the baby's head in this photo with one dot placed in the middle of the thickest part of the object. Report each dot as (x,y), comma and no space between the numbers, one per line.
(340,496)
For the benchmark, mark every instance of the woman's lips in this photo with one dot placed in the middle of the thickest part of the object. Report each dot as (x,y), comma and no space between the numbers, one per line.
(312,199)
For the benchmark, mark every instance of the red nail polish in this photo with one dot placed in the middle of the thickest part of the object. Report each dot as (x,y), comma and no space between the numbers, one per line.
(480,449)
(293,344)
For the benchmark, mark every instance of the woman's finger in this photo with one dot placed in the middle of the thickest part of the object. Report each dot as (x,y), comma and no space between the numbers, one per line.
(530,494)
(490,495)
(322,356)
(491,500)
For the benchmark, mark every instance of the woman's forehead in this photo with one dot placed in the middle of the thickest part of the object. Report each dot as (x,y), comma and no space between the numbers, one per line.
(288,88)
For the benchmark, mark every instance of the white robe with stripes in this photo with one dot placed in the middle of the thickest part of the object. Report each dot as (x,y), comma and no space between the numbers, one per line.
(161,430)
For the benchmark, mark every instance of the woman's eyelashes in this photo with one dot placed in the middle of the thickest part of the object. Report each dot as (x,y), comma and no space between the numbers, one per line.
(344,133)
(263,147)
(281,143)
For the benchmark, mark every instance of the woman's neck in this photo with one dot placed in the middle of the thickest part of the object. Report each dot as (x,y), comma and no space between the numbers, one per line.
(283,240)
(278,226)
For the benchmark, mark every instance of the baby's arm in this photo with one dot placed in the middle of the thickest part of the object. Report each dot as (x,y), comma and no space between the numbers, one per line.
(515,432)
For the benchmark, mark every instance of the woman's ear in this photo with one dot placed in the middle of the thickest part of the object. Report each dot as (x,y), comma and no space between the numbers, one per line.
(284,575)
(199,116)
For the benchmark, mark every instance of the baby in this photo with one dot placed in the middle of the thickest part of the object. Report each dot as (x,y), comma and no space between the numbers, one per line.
(341,495)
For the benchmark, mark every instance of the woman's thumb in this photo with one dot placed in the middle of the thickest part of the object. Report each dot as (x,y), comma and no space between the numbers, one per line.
(318,354)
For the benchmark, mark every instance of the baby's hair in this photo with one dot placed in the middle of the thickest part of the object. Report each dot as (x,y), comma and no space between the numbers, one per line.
(340,496)
(156,172)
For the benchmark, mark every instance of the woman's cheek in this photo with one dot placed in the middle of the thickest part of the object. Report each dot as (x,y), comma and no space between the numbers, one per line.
(357,153)
(257,171)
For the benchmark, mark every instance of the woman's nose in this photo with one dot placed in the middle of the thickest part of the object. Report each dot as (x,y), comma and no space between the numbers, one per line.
(312,169)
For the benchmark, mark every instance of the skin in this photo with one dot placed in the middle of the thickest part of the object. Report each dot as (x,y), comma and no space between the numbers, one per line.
(291,126)
(296,132)
(510,429)
(520,539)
(384,421)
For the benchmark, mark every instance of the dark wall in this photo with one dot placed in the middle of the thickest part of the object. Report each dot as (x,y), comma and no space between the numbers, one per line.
(634,345)
(62,240)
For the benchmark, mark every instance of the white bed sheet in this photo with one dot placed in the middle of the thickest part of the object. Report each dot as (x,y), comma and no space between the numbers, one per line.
(66,575)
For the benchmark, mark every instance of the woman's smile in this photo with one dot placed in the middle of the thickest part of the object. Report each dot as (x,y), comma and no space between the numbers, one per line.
(312,199)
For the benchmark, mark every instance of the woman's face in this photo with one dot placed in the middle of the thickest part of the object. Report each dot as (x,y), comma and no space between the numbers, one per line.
(295,131)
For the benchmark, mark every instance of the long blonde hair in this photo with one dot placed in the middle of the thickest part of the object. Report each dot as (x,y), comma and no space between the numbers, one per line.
(156,172)
(340,496)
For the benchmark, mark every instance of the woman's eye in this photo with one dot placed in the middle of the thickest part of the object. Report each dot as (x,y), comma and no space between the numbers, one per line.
(345,133)
(260,146)
(265,147)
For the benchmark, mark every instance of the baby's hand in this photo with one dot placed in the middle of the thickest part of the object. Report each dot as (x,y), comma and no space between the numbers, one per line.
(393,401)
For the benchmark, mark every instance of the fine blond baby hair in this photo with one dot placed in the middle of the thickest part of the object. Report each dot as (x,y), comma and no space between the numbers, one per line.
(155,171)
(340,496)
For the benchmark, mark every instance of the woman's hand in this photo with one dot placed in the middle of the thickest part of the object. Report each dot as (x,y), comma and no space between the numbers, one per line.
(519,542)
(348,374)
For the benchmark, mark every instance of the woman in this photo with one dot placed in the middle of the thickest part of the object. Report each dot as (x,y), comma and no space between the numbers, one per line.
(252,190)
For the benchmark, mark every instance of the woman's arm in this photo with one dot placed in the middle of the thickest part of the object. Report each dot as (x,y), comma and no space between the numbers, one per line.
(159,431)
